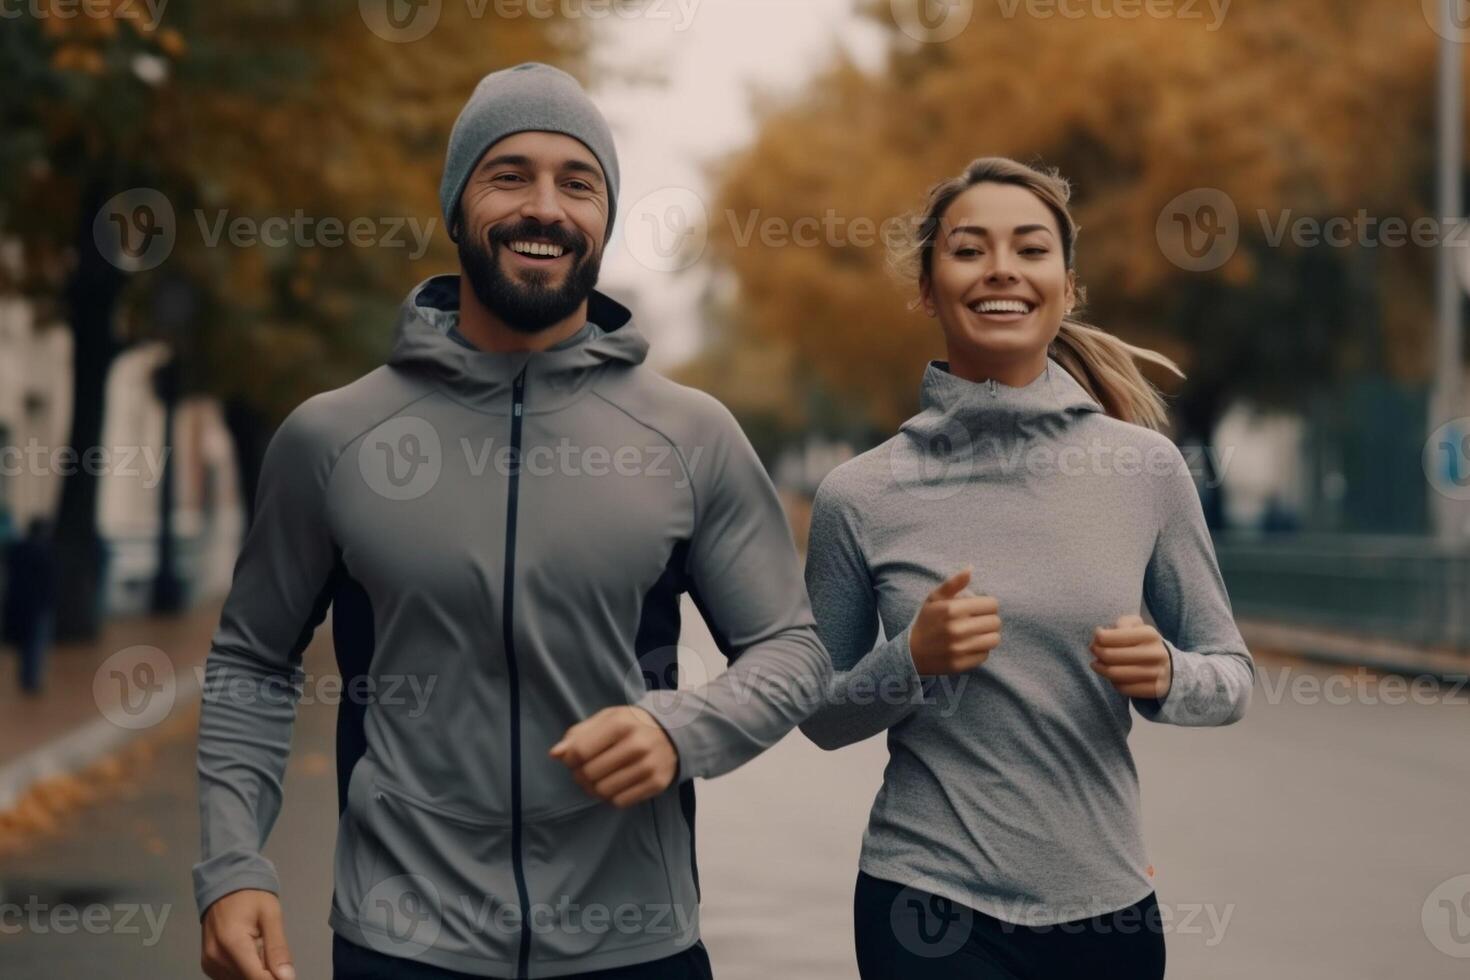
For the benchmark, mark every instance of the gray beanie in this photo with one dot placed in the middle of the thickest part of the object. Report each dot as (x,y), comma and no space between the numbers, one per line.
(528,97)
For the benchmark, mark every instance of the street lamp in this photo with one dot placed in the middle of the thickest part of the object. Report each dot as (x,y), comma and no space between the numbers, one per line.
(1444,401)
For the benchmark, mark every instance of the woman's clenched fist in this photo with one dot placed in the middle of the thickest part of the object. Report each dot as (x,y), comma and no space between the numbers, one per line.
(954,632)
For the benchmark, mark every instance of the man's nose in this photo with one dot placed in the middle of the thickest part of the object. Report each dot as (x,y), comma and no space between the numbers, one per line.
(543,203)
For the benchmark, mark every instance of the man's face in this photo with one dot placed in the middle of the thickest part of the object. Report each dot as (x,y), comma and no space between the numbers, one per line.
(532,220)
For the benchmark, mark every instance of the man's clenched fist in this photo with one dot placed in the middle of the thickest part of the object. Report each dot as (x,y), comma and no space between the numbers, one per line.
(621,755)
(244,938)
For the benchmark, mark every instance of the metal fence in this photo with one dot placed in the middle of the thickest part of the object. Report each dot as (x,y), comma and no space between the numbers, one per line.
(1409,589)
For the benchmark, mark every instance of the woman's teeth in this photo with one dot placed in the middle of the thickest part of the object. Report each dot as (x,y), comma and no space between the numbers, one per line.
(1001,306)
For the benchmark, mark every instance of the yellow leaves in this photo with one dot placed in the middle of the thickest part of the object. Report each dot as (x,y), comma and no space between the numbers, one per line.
(1315,107)
(171,42)
(79,58)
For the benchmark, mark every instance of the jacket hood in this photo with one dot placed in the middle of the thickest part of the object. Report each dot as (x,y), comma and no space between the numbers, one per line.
(955,408)
(483,379)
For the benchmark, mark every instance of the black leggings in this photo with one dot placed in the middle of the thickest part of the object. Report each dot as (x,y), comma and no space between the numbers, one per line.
(353,962)
(907,934)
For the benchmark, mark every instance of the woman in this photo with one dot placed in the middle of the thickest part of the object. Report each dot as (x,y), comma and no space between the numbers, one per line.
(1008,537)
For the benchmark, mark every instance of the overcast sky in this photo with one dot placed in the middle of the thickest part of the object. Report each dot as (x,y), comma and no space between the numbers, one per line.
(714,54)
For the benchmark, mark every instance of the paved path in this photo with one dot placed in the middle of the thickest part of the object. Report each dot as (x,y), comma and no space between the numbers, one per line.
(1300,844)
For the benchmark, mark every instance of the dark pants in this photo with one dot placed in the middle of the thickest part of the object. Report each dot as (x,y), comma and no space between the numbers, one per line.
(353,962)
(34,641)
(906,934)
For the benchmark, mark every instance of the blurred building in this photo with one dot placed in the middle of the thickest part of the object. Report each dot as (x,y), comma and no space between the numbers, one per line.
(35,408)
(35,420)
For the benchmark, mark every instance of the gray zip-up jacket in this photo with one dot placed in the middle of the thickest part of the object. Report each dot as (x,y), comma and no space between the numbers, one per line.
(1010,788)
(503,540)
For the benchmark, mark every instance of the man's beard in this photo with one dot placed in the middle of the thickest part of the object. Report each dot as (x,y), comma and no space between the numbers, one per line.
(529,305)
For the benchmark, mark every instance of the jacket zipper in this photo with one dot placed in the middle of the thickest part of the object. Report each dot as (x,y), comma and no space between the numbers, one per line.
(518,396)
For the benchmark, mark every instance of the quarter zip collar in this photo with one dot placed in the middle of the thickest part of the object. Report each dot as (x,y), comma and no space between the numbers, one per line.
(483,379)
(1043,406)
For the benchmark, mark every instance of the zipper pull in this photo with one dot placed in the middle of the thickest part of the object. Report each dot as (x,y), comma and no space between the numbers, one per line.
(992,388)
(518,393)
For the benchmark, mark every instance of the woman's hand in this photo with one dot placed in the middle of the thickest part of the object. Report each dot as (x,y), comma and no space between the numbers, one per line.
(954,633)
(1133,658)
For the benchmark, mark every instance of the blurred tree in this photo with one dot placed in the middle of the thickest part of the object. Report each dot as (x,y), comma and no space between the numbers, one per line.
(1312,109)
(231,109)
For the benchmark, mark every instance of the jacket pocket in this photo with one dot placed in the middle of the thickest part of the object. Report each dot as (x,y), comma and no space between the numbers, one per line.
(354,859)
(602,881)
(439,878)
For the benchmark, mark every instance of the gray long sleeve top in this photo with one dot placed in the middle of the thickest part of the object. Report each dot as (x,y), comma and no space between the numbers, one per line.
(1010,788)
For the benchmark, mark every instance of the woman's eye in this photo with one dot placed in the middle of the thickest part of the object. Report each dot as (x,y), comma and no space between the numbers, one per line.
(966,252)
(1033,250)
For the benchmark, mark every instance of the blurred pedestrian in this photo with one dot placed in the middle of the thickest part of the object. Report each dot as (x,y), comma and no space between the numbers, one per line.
(30,601)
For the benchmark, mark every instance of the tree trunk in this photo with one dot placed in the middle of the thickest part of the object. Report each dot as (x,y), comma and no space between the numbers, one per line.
(250,435)
(1199,409)
(168,588)
(92,295)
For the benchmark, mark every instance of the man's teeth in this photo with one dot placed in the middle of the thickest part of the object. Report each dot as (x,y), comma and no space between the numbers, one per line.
(1001,306)
(537,248)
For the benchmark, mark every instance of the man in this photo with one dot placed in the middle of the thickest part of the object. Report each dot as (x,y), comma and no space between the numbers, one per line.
(502,518)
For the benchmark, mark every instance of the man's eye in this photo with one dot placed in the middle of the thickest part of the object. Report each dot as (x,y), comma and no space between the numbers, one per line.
(500,177)
(579,185)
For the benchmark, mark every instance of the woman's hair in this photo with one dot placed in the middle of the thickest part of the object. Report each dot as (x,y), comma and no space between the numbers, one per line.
(1101,363)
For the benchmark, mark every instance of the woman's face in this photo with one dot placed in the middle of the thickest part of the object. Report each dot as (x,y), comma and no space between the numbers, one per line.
(998,285)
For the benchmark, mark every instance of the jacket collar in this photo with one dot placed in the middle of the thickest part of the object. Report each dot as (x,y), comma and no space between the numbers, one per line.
(953,406)
(483,379)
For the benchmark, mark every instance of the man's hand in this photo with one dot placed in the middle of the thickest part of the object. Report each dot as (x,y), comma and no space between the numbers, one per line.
(954,633)
(621,755)
(1133,658)
(244,938)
